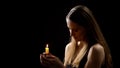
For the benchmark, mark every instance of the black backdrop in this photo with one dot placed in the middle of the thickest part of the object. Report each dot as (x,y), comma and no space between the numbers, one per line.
(54,29)
(32,24)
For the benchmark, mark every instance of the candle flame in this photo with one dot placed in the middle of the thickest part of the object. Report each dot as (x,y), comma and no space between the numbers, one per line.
(47,45)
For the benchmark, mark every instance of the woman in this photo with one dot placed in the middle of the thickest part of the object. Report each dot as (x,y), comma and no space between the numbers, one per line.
(87,48)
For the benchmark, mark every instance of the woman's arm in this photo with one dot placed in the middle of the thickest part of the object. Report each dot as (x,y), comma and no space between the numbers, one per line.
(95,57)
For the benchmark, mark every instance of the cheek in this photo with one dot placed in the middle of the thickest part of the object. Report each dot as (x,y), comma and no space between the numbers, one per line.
(79,33)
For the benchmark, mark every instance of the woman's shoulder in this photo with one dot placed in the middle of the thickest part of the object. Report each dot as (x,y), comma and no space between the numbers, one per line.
(96,53)
(97,47)
(68,45)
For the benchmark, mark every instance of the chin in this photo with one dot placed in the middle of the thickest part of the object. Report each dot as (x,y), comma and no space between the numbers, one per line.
(77,40)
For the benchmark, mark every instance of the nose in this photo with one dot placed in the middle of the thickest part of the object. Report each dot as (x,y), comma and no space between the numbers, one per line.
(71,33)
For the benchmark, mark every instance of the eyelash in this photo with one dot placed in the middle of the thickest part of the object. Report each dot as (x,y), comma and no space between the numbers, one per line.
(76,30)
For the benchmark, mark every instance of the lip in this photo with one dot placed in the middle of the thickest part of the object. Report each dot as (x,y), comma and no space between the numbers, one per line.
(75,37)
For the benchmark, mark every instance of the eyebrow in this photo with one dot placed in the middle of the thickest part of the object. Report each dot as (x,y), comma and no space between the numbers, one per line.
(73,28)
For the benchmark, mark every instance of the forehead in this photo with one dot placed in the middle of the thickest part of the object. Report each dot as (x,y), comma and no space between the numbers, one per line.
(72,24)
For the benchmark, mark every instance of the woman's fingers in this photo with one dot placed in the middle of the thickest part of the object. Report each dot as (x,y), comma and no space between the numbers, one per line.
(49,59)
(44,61)
(45,57)
(41,58)
(49,56)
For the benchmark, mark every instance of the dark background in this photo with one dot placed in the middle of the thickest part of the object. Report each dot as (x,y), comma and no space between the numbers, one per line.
(30,25)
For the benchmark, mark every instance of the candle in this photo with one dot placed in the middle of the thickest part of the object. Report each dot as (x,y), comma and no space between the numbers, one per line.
(46,49)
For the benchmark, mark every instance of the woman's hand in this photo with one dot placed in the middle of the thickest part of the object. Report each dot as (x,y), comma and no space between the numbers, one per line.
(51,61)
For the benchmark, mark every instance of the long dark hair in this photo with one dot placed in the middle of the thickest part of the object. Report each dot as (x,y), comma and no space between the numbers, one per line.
(83,16)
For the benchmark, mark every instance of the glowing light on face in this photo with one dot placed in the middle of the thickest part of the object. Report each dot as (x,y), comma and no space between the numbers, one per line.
(76,30)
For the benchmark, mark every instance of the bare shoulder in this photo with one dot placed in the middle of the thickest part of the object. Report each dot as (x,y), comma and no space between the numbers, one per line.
(96,49)
(96,54)
(68,45)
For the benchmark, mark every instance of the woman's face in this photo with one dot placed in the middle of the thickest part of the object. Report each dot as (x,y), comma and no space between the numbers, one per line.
(77,31)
